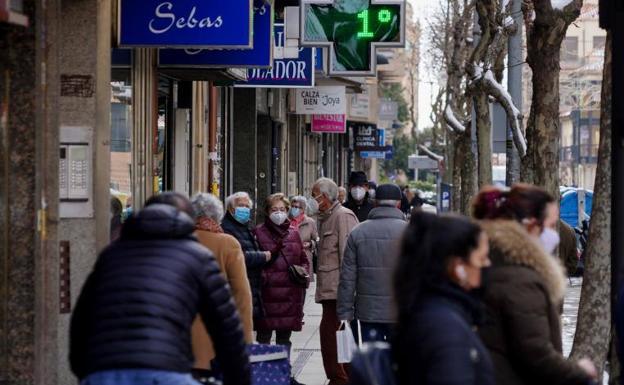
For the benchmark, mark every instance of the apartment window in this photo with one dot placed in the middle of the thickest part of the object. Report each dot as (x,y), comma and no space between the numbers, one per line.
(570,49)
(600,42)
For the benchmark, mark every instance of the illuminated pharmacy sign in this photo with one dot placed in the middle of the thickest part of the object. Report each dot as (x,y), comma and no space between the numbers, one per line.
(352,31)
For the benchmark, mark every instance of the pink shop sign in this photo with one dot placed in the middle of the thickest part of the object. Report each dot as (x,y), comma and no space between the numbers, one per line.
(332,124)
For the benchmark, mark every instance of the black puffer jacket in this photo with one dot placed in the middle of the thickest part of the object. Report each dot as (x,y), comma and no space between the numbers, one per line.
(137,306)
(438,344)
(255,259)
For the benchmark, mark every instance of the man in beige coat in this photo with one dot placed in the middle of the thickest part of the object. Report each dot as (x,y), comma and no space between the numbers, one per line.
(229,255)
(335,225)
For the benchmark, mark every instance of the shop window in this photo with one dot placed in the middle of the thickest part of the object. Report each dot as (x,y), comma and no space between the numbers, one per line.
(121,136)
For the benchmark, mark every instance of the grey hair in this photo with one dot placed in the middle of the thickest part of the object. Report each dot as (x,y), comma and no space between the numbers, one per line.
(207,206)
(387,202)
(303,201)
(229,201)
(342,189)
(328,187)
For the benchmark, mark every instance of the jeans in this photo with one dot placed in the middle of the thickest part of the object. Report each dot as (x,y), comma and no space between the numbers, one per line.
(139,377)
(373,332)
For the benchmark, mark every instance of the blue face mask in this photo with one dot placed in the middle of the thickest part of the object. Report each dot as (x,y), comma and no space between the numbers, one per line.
(242,215)
(295,212)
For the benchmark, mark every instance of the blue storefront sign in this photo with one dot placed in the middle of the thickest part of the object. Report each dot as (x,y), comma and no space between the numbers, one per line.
(388,154)
(261,55)
(285,73)
(186,23)
(318,61)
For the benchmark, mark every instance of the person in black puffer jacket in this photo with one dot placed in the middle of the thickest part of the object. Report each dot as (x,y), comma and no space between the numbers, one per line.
(132,322)
(236,223)
(435,340)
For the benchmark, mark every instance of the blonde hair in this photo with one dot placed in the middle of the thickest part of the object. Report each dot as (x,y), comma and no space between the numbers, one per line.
(271,199)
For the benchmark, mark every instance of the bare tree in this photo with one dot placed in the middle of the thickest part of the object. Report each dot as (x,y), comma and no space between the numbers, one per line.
(485,72)
(593,331)
(546,27)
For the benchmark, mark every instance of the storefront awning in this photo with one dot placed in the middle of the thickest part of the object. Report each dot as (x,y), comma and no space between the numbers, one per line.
(225,76)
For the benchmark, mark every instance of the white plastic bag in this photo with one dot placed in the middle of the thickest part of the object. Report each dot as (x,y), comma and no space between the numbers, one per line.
(346,342)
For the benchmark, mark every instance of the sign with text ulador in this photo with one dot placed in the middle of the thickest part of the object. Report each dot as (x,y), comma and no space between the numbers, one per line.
(261,55)
(327,100)
(284,73)
(186,23)
(352,30)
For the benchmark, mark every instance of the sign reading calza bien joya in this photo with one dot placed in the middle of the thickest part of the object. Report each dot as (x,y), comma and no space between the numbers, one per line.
(186,23)
(328,100)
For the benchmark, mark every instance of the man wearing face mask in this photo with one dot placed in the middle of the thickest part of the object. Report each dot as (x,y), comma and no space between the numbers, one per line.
(358,200)
(236,223)
(335,224)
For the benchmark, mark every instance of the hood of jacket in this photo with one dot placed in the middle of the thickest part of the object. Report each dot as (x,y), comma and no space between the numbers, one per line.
(510,242)
(159,221)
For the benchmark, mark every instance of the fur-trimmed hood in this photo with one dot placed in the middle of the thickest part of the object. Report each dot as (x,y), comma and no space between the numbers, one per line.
(516,247)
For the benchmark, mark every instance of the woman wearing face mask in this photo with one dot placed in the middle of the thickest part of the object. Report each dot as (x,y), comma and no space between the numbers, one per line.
(306,227)
(283,298)
(435,340)
(524,289)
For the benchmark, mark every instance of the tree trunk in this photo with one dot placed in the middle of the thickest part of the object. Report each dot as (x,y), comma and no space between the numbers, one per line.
(593,331)
(484,138)
(543,145)
(546,30)
(458,160)
(469,171)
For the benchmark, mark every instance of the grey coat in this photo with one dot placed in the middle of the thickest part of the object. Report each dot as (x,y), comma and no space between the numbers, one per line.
(367,267)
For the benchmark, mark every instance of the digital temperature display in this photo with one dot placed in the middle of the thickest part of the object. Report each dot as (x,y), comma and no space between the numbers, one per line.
(354,30)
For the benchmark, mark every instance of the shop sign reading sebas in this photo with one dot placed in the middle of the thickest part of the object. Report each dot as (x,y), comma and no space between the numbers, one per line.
(327,100)
(186,23)
(284,73)
(352,30)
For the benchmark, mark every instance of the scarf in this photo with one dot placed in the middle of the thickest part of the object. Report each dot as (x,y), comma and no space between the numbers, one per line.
(295,222)
(207,224)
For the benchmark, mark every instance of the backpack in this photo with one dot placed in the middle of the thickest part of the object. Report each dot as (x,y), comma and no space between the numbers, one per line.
(373,365)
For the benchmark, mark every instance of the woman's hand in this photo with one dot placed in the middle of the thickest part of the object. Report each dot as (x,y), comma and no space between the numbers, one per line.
(588,366)
(307,245)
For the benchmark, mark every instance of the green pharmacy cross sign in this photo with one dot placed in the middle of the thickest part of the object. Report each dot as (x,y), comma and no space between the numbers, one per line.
(352,30)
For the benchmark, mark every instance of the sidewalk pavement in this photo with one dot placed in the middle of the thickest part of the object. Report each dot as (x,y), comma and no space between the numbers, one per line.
(307,363)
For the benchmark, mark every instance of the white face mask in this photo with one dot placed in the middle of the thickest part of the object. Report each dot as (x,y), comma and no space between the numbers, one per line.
(371,194)
(550,240)
(358,193)
(278,217)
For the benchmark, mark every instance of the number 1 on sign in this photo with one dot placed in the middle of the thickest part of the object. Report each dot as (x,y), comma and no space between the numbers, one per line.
(365,32)
(384,16)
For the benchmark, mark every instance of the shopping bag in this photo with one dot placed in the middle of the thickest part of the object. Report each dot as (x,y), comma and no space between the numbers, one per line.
(346,342)
(269,364)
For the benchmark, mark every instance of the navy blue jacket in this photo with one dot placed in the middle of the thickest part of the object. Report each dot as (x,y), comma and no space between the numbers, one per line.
(137,306)
(439,345)
(255,259)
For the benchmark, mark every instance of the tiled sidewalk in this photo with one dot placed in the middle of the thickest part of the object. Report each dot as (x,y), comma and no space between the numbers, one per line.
(307,364)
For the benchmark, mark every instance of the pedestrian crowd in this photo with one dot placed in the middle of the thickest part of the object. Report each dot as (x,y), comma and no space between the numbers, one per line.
(187,286)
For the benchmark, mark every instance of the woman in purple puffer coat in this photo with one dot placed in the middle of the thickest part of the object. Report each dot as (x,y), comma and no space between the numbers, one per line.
(283,299)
